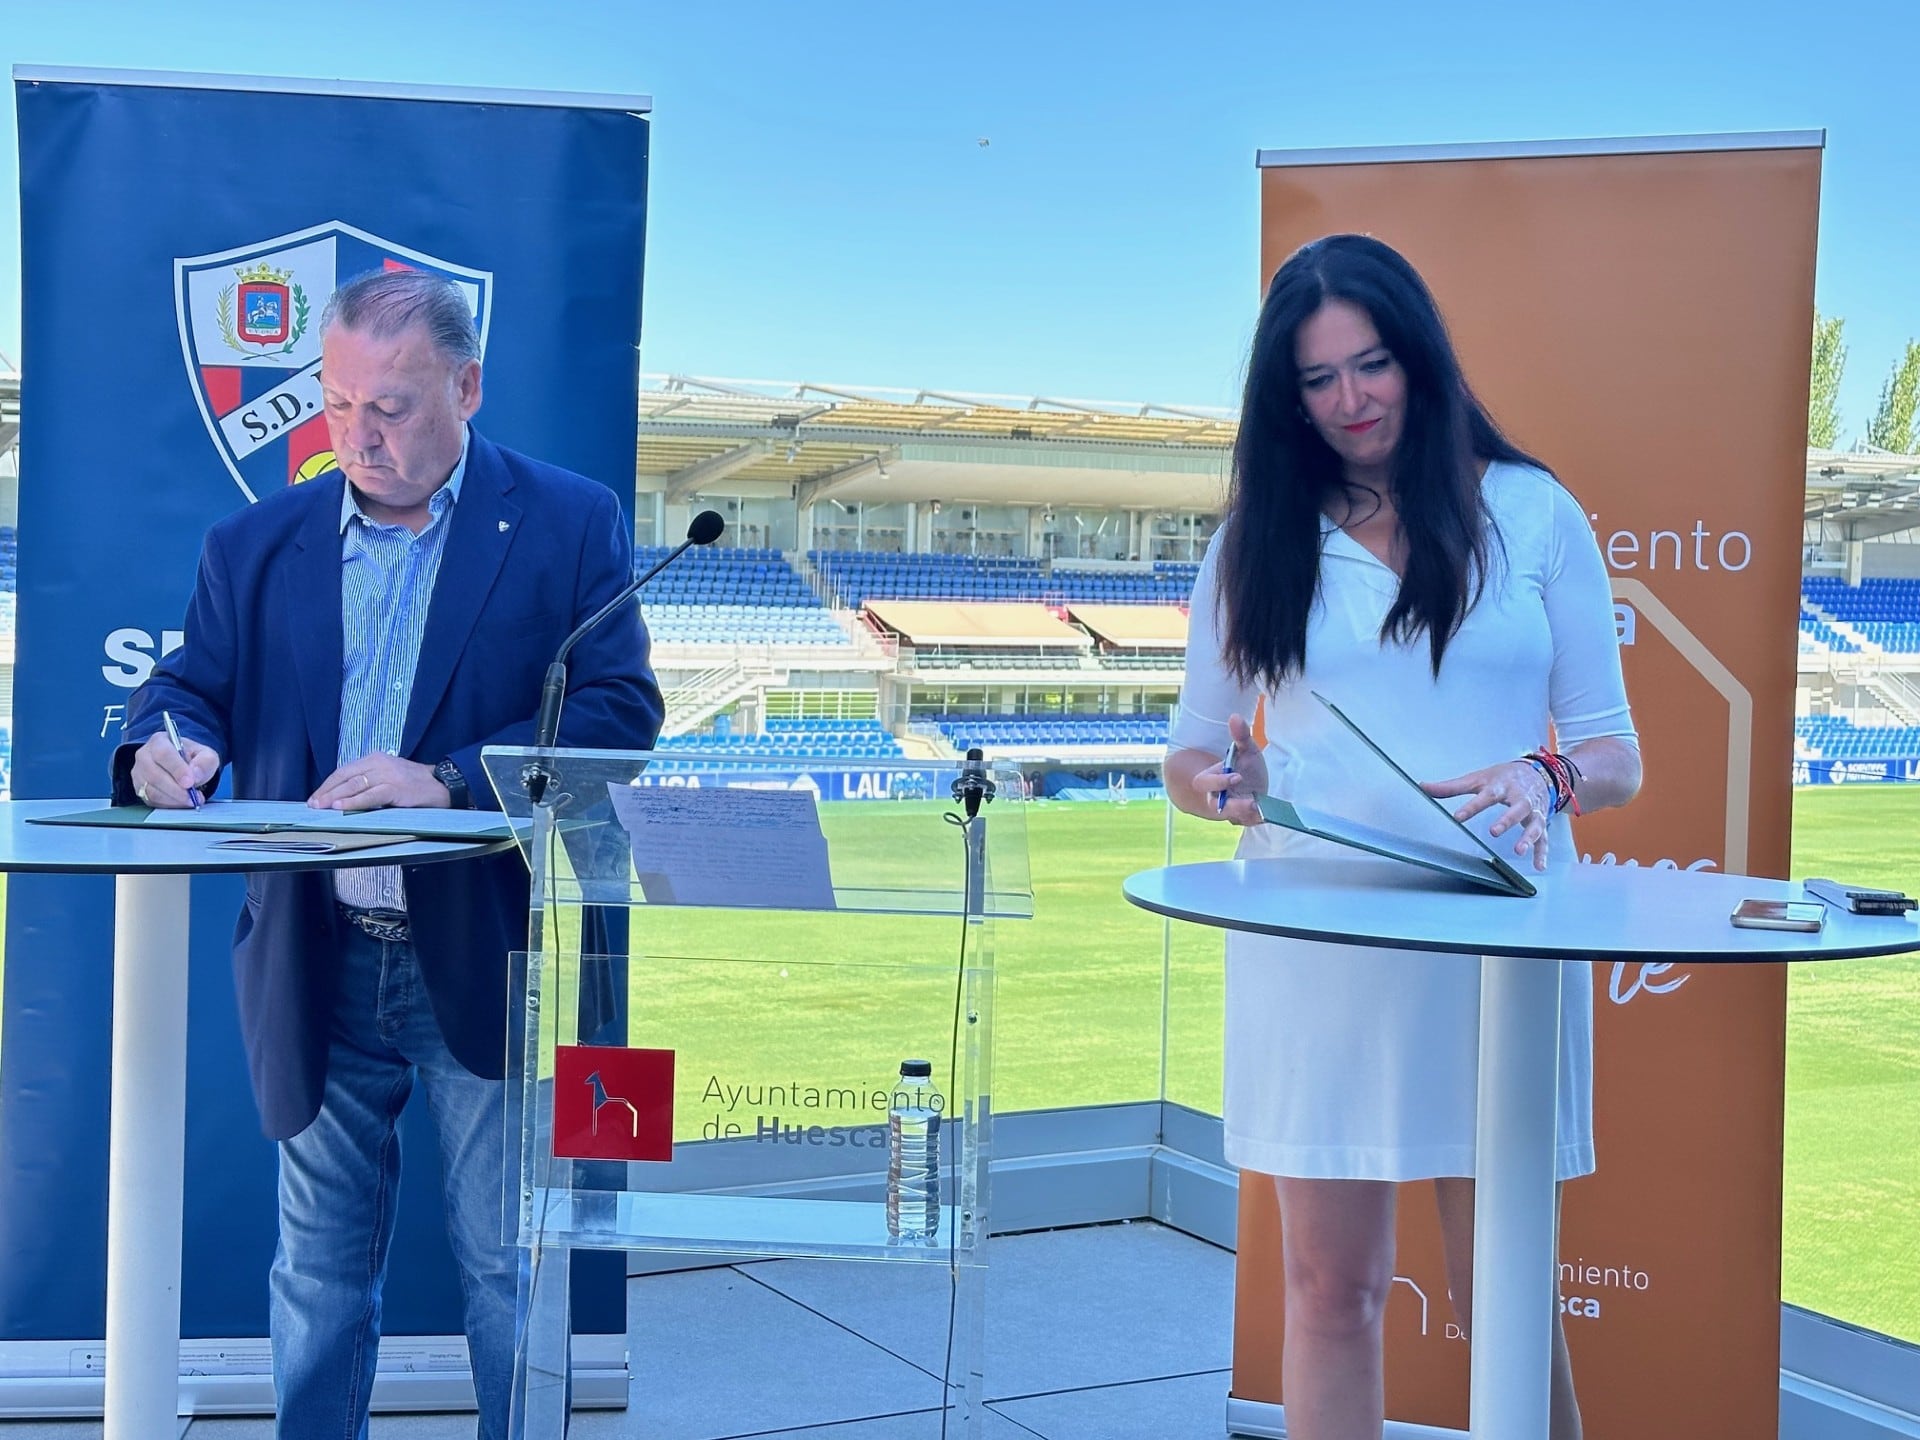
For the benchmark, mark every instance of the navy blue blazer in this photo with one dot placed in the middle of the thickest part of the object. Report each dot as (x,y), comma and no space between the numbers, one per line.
(532,551)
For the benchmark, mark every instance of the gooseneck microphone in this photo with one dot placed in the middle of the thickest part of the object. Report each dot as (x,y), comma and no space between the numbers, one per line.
(705,528)
(974,785)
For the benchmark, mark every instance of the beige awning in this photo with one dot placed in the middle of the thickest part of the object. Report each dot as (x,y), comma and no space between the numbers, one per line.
(935,622)
(1135,627)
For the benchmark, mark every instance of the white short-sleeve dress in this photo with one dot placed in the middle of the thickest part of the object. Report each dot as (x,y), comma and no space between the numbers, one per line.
(1345,1062)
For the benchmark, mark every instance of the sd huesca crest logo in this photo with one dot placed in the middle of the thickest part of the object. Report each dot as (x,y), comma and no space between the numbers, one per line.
(249,332)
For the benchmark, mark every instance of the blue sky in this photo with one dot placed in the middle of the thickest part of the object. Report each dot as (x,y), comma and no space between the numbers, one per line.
(822,209)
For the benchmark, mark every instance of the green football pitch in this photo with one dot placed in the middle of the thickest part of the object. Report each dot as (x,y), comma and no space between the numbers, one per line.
(1087,988)
(1852,1214)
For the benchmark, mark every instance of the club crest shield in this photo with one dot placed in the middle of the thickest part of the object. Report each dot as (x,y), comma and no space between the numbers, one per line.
(249,333)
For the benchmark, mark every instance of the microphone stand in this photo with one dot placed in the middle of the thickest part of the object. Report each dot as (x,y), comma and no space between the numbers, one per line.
(976,833)
(538,775)
(971,789)
(539,1402)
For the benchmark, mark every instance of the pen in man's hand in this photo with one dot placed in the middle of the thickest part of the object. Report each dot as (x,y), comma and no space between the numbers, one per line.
(1226,768)
(173,736)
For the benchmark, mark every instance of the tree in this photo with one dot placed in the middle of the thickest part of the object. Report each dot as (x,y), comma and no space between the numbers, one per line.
(1823,398)
(1892,427)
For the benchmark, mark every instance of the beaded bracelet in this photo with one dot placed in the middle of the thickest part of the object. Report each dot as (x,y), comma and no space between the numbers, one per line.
(1561,775)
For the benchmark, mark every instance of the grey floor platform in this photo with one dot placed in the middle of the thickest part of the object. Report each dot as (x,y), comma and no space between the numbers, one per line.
(1111,1332)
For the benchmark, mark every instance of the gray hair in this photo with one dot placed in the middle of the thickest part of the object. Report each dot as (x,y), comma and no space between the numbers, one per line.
(382,303)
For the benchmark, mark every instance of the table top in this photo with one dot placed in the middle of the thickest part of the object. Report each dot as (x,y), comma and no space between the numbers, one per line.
(96,849)
(1583,912)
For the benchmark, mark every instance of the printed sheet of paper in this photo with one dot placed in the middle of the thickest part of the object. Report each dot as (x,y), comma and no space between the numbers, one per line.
(715,845)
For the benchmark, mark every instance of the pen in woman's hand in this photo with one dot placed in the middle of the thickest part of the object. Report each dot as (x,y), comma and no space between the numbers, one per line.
(173,737)
(1226,768)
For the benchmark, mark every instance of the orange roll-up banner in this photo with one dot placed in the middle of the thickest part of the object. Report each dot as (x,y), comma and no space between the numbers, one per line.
(1638,314)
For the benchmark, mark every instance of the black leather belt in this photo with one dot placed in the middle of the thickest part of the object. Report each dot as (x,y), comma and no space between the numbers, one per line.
(388,925)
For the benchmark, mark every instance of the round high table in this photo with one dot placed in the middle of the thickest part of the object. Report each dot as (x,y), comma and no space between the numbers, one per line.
(1583,912)
(146,1137)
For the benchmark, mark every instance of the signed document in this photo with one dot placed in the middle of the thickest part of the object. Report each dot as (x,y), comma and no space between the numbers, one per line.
(726,846)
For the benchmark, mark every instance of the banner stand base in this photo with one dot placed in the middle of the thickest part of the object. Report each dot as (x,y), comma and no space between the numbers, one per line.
(57,1379)
(1261,1420)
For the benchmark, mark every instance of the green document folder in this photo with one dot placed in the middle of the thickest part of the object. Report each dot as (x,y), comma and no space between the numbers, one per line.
(1471,860)
(269,817)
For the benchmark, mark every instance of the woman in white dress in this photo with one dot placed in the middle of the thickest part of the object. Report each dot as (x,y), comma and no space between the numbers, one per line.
(1386,546)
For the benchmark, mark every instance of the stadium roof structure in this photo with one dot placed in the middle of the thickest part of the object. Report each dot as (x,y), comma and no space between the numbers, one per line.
(880,445)
(852,443)
(1863,493)
(876,444)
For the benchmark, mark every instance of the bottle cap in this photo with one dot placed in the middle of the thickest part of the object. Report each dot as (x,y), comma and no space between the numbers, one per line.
(916,1069)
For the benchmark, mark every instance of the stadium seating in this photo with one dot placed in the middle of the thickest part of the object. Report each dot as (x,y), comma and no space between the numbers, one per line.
(1891,634)
(1171,583)
(1814,631)
(1179,573)
(1883,598)
(1885,611)
(857,576)
(1173,660)
(992,732)
(9,578)
(798,740)
(989,658)
(735,595)
(723,574)
(1833,737)
(741,625)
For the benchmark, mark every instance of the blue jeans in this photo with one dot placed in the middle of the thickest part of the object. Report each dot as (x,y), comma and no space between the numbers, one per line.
(339,1184)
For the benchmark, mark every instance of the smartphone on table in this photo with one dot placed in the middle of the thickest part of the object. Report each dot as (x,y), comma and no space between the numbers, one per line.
(1805,915)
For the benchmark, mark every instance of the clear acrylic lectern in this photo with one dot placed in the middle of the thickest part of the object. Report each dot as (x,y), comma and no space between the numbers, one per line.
(798,928)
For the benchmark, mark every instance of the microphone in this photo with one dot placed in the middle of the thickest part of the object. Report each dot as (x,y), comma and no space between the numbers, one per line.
(974,785)
(704,530)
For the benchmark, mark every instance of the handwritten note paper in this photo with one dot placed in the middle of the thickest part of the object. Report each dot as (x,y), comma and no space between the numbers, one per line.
(716,845)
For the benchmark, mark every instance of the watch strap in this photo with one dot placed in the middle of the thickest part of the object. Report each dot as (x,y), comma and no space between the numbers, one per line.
(458,795)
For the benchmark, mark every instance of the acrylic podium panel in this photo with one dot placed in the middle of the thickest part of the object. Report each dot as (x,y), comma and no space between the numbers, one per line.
(797,929)
(757,1092)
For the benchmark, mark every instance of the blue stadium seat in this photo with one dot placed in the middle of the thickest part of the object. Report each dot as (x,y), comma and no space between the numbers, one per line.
(1018,731)
(1836,738)
(857,576)
(789,738)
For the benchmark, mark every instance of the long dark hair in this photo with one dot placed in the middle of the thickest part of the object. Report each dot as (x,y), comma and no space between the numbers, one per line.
(1284,473)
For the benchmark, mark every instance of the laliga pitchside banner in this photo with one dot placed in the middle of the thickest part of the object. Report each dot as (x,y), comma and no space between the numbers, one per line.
(1638,315)
(181,236)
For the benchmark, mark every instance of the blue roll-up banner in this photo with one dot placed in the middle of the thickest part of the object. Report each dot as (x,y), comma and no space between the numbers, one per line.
(180,237)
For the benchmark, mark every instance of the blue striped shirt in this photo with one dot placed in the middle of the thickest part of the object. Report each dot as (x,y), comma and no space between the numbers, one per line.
(386,584)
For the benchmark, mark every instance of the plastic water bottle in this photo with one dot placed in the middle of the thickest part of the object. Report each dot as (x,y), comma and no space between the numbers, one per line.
(913,1156)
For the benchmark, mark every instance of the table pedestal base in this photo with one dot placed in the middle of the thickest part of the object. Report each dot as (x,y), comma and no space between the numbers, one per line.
(146,1147)
(1514,1292)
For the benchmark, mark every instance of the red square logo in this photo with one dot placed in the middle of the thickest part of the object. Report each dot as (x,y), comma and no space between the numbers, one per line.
(612,1103)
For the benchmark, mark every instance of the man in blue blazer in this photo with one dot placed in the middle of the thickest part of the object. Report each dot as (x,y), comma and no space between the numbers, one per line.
(354,642)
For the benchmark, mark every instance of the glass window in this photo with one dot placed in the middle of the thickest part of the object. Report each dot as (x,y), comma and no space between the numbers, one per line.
(1851,1238)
